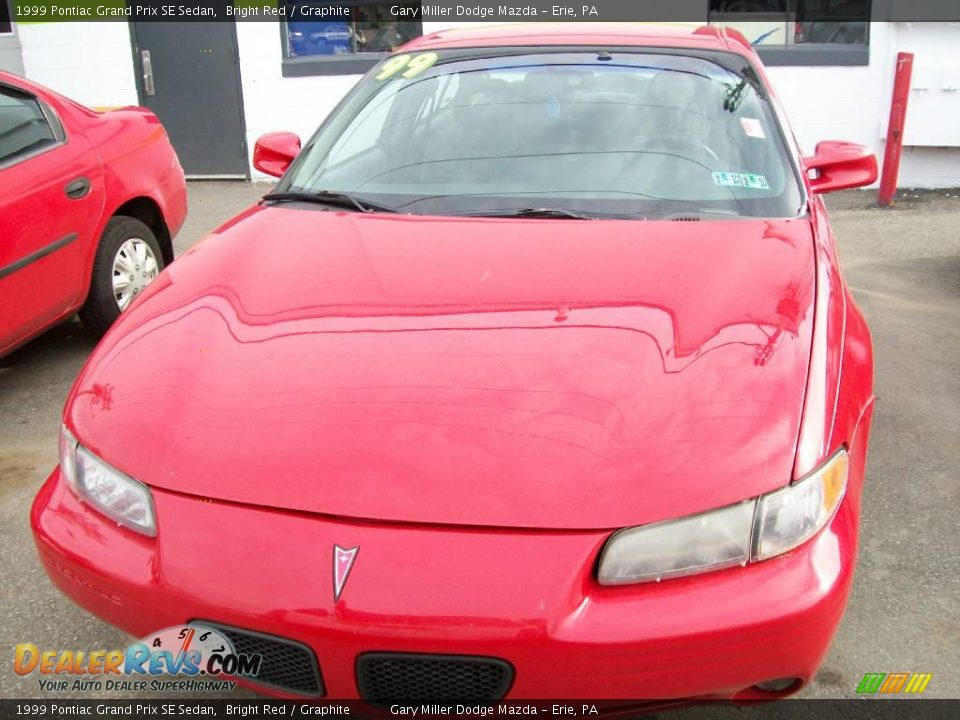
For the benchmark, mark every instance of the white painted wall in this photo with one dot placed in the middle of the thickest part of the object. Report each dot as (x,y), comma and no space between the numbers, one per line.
(273,102)
(92,63)
(10,55)
(853,103)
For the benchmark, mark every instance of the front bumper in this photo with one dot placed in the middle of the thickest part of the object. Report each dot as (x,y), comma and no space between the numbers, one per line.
(527,597)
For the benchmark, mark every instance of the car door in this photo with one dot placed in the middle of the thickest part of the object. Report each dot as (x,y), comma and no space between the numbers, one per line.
(51,195)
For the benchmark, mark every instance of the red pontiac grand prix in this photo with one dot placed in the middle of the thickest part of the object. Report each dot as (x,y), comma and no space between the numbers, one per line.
(535,376)
(89,205)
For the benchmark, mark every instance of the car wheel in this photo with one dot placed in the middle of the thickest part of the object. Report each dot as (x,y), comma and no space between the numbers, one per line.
(128,259)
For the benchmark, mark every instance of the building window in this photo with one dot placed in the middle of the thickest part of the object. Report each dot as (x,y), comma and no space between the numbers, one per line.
(6,18)
(800,32)
(350,40)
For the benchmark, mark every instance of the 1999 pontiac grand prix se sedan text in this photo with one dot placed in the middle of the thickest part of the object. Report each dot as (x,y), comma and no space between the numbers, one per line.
(534,377)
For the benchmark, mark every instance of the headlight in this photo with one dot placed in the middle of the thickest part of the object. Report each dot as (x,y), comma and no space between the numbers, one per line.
(789,517)
(68,456)
(679,547)
(117,496)
(750,531)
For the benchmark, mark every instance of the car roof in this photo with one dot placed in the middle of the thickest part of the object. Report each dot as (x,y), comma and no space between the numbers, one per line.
(8,78)
(673,35)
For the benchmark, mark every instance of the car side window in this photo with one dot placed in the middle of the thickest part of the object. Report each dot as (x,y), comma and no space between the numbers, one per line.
(24,126)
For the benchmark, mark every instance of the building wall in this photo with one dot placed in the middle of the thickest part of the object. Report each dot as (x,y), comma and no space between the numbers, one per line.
(10,59)
(93,63)
(273,102)
(853,103)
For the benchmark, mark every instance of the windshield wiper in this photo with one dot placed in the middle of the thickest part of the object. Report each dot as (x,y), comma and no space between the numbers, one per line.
(561,213)
(327,197)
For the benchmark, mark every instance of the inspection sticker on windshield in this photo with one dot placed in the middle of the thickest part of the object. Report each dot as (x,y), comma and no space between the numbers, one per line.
(744,180)
(752,128)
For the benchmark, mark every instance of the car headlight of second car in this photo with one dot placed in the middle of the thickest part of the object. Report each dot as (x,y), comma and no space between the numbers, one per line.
(754,530)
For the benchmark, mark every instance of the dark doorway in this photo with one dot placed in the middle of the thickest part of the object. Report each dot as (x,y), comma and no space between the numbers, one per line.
(188,73)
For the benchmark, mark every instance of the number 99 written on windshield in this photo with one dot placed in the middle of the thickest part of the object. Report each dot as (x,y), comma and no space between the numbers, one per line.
(411,65)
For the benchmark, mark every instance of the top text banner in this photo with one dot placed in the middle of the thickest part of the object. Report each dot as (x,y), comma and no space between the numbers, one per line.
(40,11)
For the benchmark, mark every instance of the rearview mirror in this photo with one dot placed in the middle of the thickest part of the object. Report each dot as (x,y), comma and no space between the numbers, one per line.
(840,165)
(274,152)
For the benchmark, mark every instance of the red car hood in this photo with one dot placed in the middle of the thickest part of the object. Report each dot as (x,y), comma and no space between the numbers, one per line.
(489,372)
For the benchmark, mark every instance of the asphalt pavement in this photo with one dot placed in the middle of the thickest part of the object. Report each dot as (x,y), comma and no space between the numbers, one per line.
(904,615)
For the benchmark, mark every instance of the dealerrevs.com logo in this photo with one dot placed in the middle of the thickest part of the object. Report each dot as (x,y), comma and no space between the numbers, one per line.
(195,655)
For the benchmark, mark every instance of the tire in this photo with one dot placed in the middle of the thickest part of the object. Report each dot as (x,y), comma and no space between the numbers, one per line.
(128,246)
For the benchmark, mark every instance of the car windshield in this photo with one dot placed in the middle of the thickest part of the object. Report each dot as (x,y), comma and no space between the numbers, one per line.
(618,134)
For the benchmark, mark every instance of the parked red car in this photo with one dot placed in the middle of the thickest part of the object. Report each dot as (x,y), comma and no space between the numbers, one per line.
(89,205)
(535,377)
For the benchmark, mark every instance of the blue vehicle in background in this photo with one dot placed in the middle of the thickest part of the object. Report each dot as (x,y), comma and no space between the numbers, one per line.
(320,38)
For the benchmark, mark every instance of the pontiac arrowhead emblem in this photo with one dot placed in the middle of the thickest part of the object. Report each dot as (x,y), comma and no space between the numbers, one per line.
(342,564)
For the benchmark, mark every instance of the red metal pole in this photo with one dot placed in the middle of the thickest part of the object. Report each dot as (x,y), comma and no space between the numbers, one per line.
(898,113)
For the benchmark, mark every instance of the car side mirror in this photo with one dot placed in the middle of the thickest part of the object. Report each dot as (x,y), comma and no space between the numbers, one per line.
(840,165)
(274,152)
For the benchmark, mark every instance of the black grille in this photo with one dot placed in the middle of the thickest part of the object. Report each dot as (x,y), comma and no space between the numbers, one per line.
(285,664)
(386,677)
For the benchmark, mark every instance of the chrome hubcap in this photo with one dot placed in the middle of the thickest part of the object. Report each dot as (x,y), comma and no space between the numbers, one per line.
(134,267)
